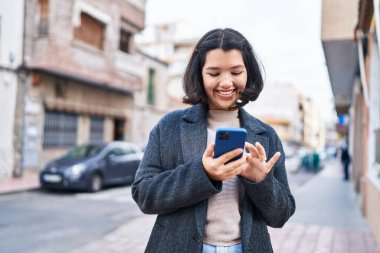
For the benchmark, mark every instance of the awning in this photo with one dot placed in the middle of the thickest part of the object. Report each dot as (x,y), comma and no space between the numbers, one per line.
(343,68)
(83,108)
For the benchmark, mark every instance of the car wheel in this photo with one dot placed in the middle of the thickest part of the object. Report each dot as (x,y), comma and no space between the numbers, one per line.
(96,183)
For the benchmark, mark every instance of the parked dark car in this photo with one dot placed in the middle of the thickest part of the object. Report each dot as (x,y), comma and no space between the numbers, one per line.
(92,166)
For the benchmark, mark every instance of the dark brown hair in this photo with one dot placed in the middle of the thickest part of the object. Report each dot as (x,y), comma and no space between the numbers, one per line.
(225,39)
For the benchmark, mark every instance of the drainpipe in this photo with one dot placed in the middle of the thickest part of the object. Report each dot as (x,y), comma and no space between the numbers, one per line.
(376,11)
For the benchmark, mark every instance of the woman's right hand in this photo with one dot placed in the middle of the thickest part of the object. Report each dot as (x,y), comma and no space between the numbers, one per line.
(217,169)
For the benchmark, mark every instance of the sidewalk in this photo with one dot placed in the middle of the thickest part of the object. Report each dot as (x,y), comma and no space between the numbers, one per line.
(327,219)
(28,181)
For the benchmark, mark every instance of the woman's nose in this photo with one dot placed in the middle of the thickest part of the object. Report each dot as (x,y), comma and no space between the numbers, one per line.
(226,80)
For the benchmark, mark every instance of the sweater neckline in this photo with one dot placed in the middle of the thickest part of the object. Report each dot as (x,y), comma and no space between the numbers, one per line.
(222,115)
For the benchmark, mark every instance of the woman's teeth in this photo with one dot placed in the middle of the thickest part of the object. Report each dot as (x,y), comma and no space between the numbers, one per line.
(225,93)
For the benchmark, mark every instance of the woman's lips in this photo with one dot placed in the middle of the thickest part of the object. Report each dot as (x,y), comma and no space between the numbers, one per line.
(225,93)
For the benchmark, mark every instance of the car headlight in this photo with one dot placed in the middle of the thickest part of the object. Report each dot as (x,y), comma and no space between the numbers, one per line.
(74,172)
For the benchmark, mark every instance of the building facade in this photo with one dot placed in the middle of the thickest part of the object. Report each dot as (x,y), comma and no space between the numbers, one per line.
(72,79)
(294,117)
(152,101)
(350,35)
(172,43)
(366,108)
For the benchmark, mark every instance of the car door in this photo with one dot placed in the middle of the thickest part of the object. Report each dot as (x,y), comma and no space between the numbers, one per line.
(130,162)
(112,168)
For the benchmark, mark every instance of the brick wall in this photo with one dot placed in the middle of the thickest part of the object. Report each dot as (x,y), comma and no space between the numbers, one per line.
(85,101)
(60,51)
(339,18)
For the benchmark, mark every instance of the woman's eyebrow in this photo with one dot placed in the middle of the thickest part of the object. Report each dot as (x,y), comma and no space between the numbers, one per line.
(237,66)
(212,68)
(217,68)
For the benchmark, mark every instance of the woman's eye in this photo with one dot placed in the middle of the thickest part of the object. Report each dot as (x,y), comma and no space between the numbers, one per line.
(213,74)
(236,73)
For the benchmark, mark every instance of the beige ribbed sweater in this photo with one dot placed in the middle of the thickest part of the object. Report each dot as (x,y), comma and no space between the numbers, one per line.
(223,217)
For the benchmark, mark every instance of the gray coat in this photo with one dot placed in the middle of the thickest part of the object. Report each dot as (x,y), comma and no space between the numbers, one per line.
(171,182)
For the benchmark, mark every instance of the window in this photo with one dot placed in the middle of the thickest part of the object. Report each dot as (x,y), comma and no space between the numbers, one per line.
(128,150)
(60,129)
(60,88)
(90,31)
(0,37)
(43,24)
(150,92)
(377,145)
(96,129)
(115,152)
(125,36)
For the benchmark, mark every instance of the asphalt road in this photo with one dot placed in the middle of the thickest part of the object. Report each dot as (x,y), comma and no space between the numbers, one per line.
(38,221)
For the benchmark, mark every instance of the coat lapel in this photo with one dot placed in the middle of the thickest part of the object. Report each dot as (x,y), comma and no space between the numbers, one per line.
(255,129)
(193,144)
(194,133)
(256,133)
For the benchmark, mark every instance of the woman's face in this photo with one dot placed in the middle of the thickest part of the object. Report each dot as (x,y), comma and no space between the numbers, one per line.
(224,78)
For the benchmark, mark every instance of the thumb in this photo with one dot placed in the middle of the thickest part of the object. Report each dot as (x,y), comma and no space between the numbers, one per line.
(209,150)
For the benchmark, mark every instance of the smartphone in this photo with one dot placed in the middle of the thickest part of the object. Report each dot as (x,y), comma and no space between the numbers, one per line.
(228,139)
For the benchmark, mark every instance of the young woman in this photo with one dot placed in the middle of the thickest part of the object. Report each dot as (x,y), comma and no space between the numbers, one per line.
(205,204)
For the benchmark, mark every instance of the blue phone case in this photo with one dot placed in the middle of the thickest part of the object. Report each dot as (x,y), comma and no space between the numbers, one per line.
(228,139)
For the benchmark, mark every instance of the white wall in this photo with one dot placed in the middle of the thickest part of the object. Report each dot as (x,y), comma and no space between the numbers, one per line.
(280,101)
(11,39)
(11,32)
(8,81)
(145,116)
(374,105)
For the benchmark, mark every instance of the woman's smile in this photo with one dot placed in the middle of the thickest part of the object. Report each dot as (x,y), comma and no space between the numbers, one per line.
(225,93)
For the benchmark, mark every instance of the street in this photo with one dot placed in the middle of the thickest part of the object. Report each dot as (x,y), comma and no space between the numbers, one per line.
(39,221)
(327,219)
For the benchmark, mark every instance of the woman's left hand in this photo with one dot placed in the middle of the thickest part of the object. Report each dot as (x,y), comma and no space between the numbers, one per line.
(257,166)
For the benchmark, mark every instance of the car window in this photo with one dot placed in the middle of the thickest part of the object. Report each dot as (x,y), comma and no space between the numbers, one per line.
(115,152)
(128,150)
(84,151)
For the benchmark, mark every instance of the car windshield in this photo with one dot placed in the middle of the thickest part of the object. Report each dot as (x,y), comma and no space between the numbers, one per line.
(84,151)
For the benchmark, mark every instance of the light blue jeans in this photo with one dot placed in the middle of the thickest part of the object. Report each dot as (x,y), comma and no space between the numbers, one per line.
(237,248)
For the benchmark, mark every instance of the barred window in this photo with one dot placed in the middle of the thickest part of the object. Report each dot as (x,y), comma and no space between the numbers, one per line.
(60,129)
(96,129)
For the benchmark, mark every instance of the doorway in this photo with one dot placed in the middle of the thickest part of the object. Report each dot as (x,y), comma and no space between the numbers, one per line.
(118,133)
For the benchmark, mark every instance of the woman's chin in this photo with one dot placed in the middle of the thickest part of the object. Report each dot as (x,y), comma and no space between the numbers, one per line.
(224,106)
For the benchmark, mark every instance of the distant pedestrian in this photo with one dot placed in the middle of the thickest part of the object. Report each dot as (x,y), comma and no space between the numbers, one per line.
(204,204)
(345,159)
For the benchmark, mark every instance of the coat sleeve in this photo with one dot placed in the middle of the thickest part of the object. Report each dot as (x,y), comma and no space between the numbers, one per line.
(159,190)
(272,196)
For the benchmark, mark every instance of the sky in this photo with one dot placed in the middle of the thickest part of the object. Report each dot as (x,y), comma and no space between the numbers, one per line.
(284,34)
